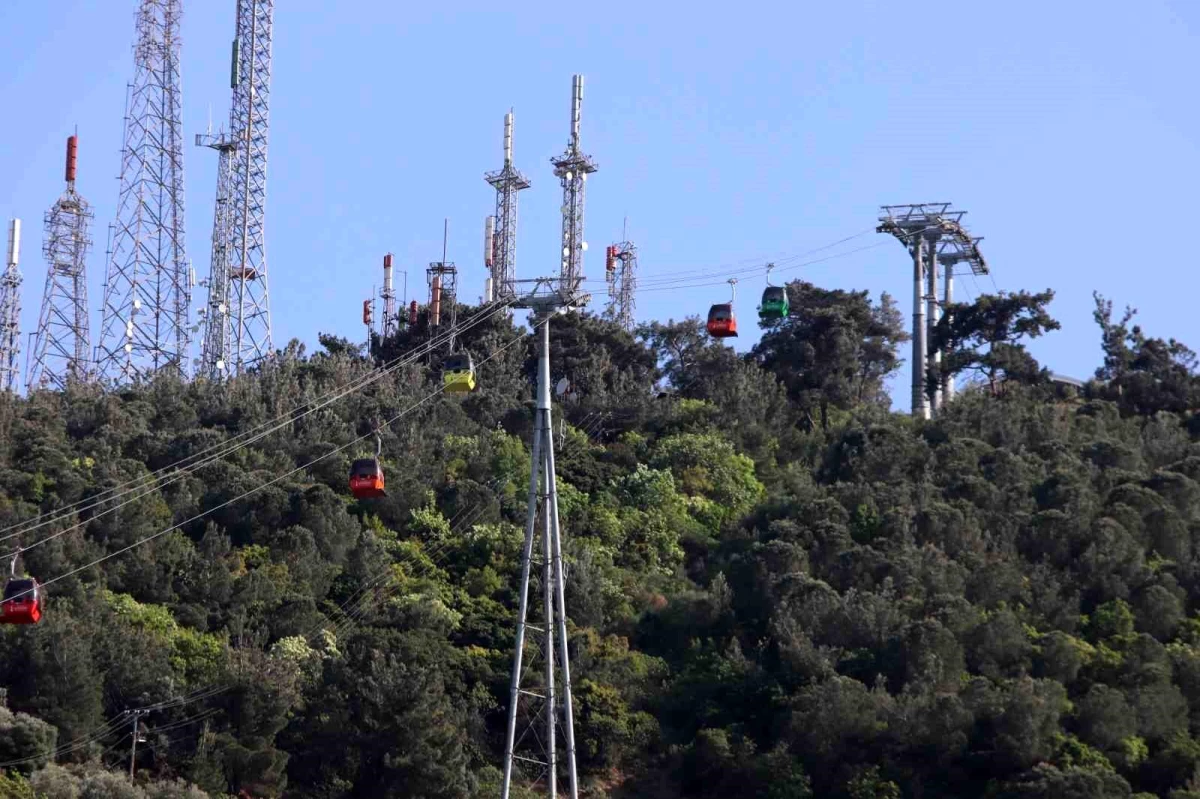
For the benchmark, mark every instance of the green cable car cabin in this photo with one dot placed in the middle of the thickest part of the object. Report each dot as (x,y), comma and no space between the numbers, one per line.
(774,303)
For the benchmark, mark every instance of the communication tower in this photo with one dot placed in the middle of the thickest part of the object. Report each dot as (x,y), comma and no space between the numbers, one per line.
(572,169)
(620,272)
(500,233)
(61,344)
(148,284)
(933,234)
(442,277)
(238,319)
(391,320)
(10,310)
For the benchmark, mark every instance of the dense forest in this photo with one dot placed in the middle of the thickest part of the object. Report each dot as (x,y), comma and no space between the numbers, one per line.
(777,585)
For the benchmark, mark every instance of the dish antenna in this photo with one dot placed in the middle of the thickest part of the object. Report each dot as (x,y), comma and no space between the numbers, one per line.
(561,387)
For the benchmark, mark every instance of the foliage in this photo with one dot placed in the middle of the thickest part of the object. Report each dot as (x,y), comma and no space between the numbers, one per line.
(775,587)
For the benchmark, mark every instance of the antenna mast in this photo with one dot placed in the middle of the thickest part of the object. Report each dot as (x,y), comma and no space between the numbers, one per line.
(443,286)
(572,169)
(620,272)
(148,285)
(61,345)
(500,244)
(10,310)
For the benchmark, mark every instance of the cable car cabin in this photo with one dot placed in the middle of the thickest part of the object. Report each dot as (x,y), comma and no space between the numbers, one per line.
(774,303)
(366,479)
(721,322)
(22,602)
(458,374)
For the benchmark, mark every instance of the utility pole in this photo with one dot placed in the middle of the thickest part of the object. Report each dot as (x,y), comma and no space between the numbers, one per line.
(148,283)
(552,692)
(10,310)
(61,345)
(933,234)
(572,169)
(136,738)
(500,231)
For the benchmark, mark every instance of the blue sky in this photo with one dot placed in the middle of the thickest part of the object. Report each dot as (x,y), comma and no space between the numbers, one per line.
(726,135)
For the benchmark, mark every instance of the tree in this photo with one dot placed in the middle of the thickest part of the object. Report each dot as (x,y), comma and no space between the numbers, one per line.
(986,337)
(1144,375)
(835,349)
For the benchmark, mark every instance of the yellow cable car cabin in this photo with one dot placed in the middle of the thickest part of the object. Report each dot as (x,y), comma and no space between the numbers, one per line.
(458,374)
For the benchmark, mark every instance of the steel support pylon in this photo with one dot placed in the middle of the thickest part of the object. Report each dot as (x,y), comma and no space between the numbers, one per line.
(553,690)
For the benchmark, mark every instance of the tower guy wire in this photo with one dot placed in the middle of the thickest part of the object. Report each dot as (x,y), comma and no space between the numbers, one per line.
(572,169)
(61,344)
(10,310)
(500,236)
(148,283)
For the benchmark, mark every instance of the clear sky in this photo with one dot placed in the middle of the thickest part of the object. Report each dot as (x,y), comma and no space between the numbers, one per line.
(727,134)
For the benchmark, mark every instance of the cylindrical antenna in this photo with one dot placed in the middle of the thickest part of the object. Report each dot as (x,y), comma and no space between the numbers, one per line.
(445,233)
(508,126)
(576,103)
(387,273)
(14,242)
(72,153)
(489,240)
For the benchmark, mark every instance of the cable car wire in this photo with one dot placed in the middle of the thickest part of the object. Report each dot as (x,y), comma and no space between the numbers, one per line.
(258,432)
(234,445)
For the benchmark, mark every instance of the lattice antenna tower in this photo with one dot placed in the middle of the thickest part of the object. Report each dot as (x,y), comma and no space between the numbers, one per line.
(216,345)
(10,310)
(572,169)
(933,234)
(620,272)
(250,314)
(442,277)
(501,243)
(148,285)
(61,345)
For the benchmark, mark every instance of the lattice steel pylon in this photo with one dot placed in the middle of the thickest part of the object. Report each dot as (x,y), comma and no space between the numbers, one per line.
(572,169)
(507,181)
(540,699)
(61,344)
(10,310)
(620,273)
(148,283)
(250,313)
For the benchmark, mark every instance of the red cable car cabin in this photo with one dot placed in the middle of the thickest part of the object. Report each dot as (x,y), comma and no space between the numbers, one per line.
(22,602)
(721,321)
(366,479)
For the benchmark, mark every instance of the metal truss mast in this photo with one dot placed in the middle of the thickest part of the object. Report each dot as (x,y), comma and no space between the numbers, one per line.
(502,236)
(61,347)
(147,287)
(572,169)
(620,273)
(10,310)
(237,315)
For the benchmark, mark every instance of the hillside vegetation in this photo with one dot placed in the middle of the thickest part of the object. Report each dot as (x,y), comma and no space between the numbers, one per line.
(777,586)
